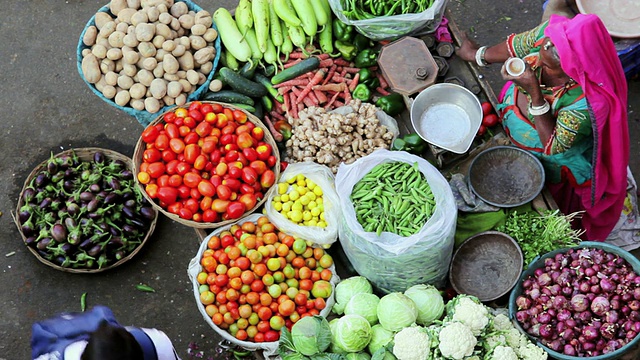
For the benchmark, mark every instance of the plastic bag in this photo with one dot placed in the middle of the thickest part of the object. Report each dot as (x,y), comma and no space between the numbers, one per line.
(393,27)
(323,177)
(269,349)
(390,261)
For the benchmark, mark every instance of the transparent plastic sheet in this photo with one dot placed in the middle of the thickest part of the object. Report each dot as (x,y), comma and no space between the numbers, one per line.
(393,27)
(384,260)
(269,349)
(322,176)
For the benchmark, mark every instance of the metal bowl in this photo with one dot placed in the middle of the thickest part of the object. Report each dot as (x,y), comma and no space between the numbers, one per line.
(506,176)
(447,115)
(487,265)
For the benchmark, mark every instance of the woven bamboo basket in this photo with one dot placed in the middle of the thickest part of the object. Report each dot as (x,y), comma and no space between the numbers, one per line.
(84,154)
(268,138)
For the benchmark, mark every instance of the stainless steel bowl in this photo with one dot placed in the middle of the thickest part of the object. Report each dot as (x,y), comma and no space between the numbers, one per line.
(447,116)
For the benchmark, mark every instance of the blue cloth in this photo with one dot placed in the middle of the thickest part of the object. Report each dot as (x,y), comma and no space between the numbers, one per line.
(544,6)
(148,349)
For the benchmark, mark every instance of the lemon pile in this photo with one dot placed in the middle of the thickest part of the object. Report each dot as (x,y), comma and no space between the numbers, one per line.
(300,200)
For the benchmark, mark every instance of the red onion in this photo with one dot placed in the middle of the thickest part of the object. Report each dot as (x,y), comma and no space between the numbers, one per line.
(611,346)
(636,292)
(634,305)
(588,346)
(607,285)
(600,344)
(630,335)
(591,296)
(600,305)
(611,316)
(571,323)
(568,334)
(579,303)
(563,315)
(544,318)
(527,283)
(589,271)
(584,316)
(569,350)
(546,331)
(567,291)
(555,345)
(595,289)
(523,302)
(608,331)
(544,279)
(590,333)
(584,287)
(522,316)
(538,272)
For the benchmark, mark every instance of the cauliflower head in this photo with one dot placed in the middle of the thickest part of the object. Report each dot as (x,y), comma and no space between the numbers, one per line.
(502,322)
(411,343)
(516,340)
(471,313)
(493,341)
(503,353)
(456,341)
(532,352)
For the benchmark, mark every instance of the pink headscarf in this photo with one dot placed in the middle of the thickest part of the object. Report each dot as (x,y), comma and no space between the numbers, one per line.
(587,54)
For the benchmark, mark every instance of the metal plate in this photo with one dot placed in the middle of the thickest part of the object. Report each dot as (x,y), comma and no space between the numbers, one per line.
(621,17)
(401,75)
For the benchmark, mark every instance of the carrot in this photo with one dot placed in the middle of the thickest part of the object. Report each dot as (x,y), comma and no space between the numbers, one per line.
(294,106)
(313,97)
(284,89)
(333,99)
(298,55)
(341,62)
(276,115)
(354,82)
(323,56)
(338,103)
(300,107)
(343,72)
(383,82)
(337,87)
(322,98)
(341,78)
(293,82)
(295,91)
(382,91)
(279,107)
(351,70)
(308,102)
(276,135)
(291,63)
(347,96)
(287,105)
(317,78)
(330,73)
(326,63)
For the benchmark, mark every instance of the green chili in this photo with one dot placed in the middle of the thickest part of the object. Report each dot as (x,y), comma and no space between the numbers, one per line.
(83,302)
(145,288)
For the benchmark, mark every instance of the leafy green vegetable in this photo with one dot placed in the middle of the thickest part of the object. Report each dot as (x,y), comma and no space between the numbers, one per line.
(348,288)
(365,305)
(539,234)
(396,311)
(311,335)
(351,333)
(380,337)
(429,302)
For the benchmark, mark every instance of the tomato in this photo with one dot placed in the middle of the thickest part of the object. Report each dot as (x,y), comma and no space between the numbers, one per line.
(234,210)
(219,205)
(249,200)
(176,145)
(245,141)
(184,191)
(152,190)
(272,161)
(168,155)
(209,216)
(191,179)
(231,156)
(267,179)
(174,208)
(264,151)
(156,169)
(234,172)
(226,139)
(191,152)
(170,117)
(487,108)
(150,134)
(163,180)
(151,155)
(190,122)
(259,166)
(172,131)
(167,194)
(250,154)
(239,116)
(249,175)
(143,177)
(257,133)
(490,120)
(209,145)
(206,188)
(182,168)
(203,129)
(184,130)
(162,142)
(223,192)
(197,116)
(175,180)
(201,162)
(272,335)
(191,204)
(287,307)
(233,184)
(481,130)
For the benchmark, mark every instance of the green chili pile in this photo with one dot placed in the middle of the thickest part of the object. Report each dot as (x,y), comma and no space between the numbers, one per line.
(367,9)
(393,197)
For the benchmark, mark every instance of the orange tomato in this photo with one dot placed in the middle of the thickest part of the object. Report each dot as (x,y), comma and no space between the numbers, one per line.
(287,307)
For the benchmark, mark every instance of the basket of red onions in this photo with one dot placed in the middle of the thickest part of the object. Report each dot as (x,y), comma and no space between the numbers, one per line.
(582,301)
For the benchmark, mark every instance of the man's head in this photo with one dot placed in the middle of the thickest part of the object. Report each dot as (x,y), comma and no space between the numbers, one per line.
(111,342)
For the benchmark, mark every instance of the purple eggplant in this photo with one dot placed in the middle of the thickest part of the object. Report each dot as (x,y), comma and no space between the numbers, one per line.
(98,157)
(28,194)
(113,183)
(86,196)
(24,214)
(95,188)
(139,223)
(86,244)
(73,209)
(28,227)
(52,165)
(95,250)
(129,212)
(130,230)
(43,243)
(131,203)
(93,205)
(148,212)
(126,174)
(45,203)
(30,241)
(41,180)
(57,177)
(111,198)
(68,186)
(59,233)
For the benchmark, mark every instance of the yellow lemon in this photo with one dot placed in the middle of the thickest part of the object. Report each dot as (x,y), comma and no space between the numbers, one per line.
(315,212)
(277,206)
(286,207)
(306,216)
(296,206)
(317,190)
(284,198)
(283,188)
(295,216)
(291,180)
(294,195)
(305,200)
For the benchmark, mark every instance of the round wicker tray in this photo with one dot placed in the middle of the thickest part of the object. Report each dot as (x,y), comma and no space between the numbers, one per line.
(85,154)
(268,138)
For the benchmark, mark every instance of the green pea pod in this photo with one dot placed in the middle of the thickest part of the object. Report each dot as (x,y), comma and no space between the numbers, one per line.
(145,288)
(83,302)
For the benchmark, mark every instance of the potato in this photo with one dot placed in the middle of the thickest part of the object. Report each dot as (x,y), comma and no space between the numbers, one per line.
(170,64)
(137,104)
(163,7)
(111,78)
(129,55)
(165,18)
(149,63)
(153,14)
(137,91)
(164,31)
(85,52)
(197,42)
(186,61)
(202,79)
(169,45)
(203,17)
(192,77)
(158,72)
(114,54)
(102,18)
(119,65)
(179,50)
(160,54)
(186,86)
(129,70)
(171,77)
(140,17)
(145,77)
(107,29)
(146,49)
(103,41)
(215,85)
(116,39)
(174,88)
(175,24)
(125,82)
(109,91)
(124,16)
(158,88)
(123,27)
(89,37)
(211,35)
(181,99)
(152,105)
(178,9)
(122,98)
(107,65)
(134,4)
(115,6)
(206,67)
(184,40)
(130,40)
(100,84)
(168,100)
(99,51)
(145,32)
(157,41)
(203,56)
(187,21)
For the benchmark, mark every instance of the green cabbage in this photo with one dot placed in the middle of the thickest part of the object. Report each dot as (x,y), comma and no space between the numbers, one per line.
(380,337)
(335,348)
(351,333)
(396,311)
(429,302)
(365,305)
(347,288)
(358,356)
(311,335)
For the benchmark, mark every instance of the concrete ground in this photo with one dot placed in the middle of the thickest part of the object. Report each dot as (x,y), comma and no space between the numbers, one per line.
(48,108)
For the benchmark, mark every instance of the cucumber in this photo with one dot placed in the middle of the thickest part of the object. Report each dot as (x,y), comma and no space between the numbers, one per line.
(249,68)
(303,67)
(268,70)
(249,108)
(229,96)
(267,84)
(241,84)
(258,111)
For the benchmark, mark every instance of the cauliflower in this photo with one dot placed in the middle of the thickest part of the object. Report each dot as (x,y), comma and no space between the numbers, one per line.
(502,322)
(503,353)
(474,357)
(456,341)
(469,311)
(532,352)
(516,340)
(492,341)
(412,343)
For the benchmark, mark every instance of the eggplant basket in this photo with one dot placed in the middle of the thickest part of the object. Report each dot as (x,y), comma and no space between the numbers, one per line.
(80,211)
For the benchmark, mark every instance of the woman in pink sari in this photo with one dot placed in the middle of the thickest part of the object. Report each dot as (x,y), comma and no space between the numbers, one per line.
(569,109)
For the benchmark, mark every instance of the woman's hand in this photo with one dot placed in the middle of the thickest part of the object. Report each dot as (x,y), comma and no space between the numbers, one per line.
(467,50)
(527,80)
